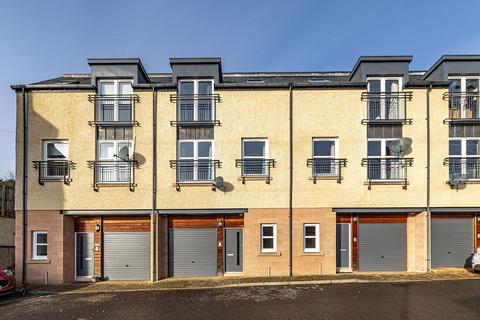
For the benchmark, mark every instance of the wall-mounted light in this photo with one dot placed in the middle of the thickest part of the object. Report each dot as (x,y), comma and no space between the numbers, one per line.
(97,227)
(220,223)
(355,219)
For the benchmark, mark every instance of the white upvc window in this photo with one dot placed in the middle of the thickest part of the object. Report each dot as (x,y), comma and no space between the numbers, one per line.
(39,245)
(113,157)
(388,104)
(55,152)
(196,100)
(268,237)
(384,163)
(254,156)
(464,156)
(196,160)
(311,235)
(116,102)
(464,100)
(324,153)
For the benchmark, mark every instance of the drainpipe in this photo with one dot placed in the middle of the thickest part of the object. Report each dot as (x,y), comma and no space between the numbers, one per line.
(429,214)
(24,184)
(290,197)
(154,186)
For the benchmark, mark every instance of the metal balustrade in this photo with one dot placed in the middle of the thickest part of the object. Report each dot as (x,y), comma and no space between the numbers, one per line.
(386,107)
(113,172)
(462,106)
(195,109)
(53,170)
(326,168)
(381,170)
(114,109)
(468,168)
(255,168)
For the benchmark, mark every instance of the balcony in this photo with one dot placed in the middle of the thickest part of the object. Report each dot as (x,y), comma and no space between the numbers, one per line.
(326,168)
(466,169)
(113,173)
(194,172)
(387,170)
(195,109)
(384,108)
(114,110)
(54,170)
(463,107)
(255,169)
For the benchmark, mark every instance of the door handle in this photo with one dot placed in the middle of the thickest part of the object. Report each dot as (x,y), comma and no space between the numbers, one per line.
(343,250)
(88,259)
(230,254)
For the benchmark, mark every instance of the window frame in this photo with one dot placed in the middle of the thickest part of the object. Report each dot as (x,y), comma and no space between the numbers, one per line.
(463,89)
(463,153)
(195,93)
(274,237)
(265,140)
(316,237)
(47,159)
(383,156)
(264,158)
(336,146)
(383,81)
(35,245)
(116,86)
(195,157)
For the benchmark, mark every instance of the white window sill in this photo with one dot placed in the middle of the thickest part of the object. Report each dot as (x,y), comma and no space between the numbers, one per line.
(313,253)
(269,254)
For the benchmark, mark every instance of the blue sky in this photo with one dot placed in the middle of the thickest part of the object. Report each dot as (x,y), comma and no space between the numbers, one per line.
(44,39)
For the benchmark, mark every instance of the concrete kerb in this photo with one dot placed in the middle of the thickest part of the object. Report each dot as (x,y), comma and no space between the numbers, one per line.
(243,285)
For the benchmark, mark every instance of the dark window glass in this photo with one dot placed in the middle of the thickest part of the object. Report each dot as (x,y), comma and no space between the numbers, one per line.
(267,243)
(268,231)
(374,149)
(310,231)
(254,148)
(41,250)
(310,243)
(455,147)
(374,86)
(323,148)
(472,148)
(186,87)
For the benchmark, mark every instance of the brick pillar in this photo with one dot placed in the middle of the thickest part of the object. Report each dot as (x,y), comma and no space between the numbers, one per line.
(220,244)
(98,248)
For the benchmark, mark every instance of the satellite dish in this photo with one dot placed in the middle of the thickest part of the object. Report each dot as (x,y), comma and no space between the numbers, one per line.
(218,182)
(123,153)
(456,180)
(401,145)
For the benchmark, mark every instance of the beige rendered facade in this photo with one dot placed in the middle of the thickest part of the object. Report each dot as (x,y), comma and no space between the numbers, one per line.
(304,191)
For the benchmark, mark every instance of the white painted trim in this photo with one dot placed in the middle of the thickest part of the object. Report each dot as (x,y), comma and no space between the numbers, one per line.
(274,237)
(317,237)
(195,92)
(35,244)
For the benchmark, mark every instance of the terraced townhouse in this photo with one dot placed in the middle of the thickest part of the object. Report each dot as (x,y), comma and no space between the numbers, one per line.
(125,174)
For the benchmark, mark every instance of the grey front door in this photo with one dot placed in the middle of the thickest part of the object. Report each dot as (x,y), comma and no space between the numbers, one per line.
(382,247)
(84,254)
(343,245)
(192,252)
(233,250)
(452,242)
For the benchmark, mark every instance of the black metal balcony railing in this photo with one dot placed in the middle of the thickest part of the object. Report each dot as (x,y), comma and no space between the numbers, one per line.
(383,107)
(114,109)
(53,170)
(462,106)
(326,168)
(387,170)
(113,173)
(195,109)
(194,171)
(255,168)
(468,168)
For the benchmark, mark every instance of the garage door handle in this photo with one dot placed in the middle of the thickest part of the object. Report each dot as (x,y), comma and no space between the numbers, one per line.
(382,257)
(193,261)
(230,254)
(449,252)
(127,265)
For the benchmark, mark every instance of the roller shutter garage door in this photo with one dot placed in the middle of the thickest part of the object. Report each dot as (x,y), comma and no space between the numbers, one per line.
(452,241)
(382,247)
(127,255)
(192,252)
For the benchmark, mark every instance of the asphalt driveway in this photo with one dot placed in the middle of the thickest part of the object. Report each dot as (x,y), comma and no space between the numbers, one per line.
(410,300)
